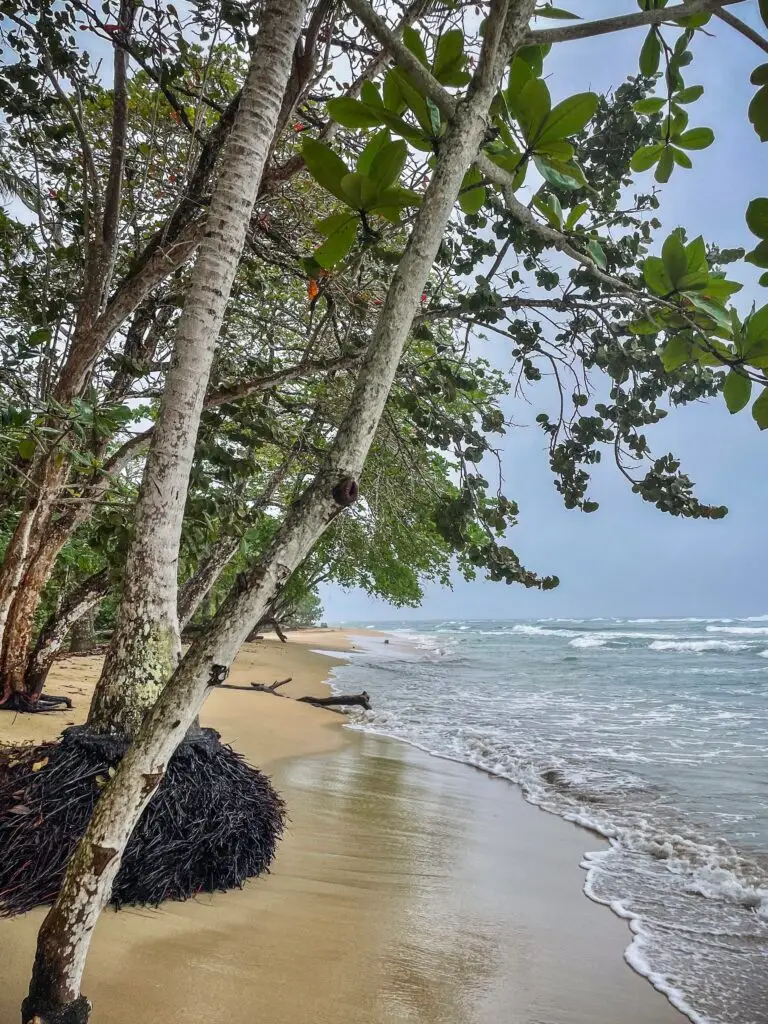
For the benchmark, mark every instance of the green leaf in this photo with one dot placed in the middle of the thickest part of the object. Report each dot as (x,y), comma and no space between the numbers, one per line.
(556,149)
(362,193)
(531,108)
(763,280)
(27,448)
(737,391)
(644,327)
(338,243)
(388,163)
(763,5)
(449,58)
(665,166)
(325,167)
(760,75)
(656,276)
(413,41)
(651,105)
(327,225)
(369,94)
(650,54)
(569,117)
(40,337)
(696,138)
(575,215)
(675,353)
(551,208)
(757,329)
(394,99)
(520,74)
(759,255)
(646,156)
(757,217)
(674,258)
(373,146)
(710,309)
(595,250)
(396,197)
(681,158)
(689,95)
(758,113)
(561,175)
(471,198)
(352,113)
(760,410)
(434,118)
(548,11)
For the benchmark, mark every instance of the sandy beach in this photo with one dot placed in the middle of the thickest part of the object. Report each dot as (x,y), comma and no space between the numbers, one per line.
(407,889)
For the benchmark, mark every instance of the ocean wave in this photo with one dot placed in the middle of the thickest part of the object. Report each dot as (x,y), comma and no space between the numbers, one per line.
(588,640)
(697,646)
(754,631)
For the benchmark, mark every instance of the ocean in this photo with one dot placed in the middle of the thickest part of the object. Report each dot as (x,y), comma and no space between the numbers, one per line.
(652,733)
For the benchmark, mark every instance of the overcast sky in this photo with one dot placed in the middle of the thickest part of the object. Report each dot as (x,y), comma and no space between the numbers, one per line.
(628,559)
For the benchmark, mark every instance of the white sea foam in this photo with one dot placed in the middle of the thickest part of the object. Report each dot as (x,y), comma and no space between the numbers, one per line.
(697,646)
(588,640)
(755,631)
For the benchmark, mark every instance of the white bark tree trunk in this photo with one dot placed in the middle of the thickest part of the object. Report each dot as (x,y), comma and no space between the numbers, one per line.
(66,933)
(146,646)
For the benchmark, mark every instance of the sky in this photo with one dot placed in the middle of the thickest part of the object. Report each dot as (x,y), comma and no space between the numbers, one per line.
(629,559)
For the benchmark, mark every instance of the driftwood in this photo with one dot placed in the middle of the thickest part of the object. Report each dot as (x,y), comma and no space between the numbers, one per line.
(360,700)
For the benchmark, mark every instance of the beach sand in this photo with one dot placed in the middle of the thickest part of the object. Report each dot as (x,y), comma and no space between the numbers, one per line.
(407,889)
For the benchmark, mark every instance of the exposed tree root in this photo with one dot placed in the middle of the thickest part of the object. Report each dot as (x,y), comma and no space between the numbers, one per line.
(213,823)
(21,702)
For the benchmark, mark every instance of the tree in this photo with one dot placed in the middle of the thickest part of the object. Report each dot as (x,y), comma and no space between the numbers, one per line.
(481,145)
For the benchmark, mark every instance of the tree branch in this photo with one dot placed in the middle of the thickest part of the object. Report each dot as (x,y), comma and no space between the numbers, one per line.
(660,16)
(743,28)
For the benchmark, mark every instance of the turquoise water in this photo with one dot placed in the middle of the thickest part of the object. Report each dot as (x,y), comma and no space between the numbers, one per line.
(653,733)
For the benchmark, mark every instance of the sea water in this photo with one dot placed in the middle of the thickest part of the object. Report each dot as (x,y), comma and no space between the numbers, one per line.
(652,733)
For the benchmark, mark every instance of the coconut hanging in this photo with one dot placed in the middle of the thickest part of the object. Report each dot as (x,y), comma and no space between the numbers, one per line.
(213,823)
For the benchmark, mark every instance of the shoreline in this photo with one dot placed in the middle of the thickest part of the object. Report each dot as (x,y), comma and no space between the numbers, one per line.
(407,887)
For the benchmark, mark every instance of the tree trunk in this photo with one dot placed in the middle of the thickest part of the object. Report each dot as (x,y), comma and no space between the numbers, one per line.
(66,933)
(83,634)
(78,602)
(146,645)
(203,579)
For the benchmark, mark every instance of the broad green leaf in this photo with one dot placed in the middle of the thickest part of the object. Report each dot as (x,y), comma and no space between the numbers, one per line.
(651,105)
(413,41)
(551,208)
(472,198)
(760,410)
(763,4)
(575,215)
(562,175)
(757,217)
(338,243)
(548,11)
(656,276)
(531,108)
(759,255)
(595,250)
(434,118)
(674,258)
(696,138)
(411,134)
(396,197)
(710,309)
(27,448)
(327,225)
(665,166)
(644,327)
(373,146)
(388,164)
(360,192)
(681,158)
(720,288)
(556,149)
(394,99)
(369,93)
(650,54)
(693,282)
(646,156)
(40,337)
(353,113)
(737,391)
(520,74)
(689,95)
(760,75)
(696,256)
(325,167)
(449,57)
(758,113)
(757,329)
(675,353)
(763,280)
(569,117)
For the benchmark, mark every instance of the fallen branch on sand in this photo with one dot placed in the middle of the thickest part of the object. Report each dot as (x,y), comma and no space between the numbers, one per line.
(333,702)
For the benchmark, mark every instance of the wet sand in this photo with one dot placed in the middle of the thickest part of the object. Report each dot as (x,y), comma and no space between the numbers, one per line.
(408,889)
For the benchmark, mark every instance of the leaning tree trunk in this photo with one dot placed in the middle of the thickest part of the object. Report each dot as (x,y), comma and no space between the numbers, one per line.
(146,647)
(66,933)
(83,634)
(78,603)
(203,579)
